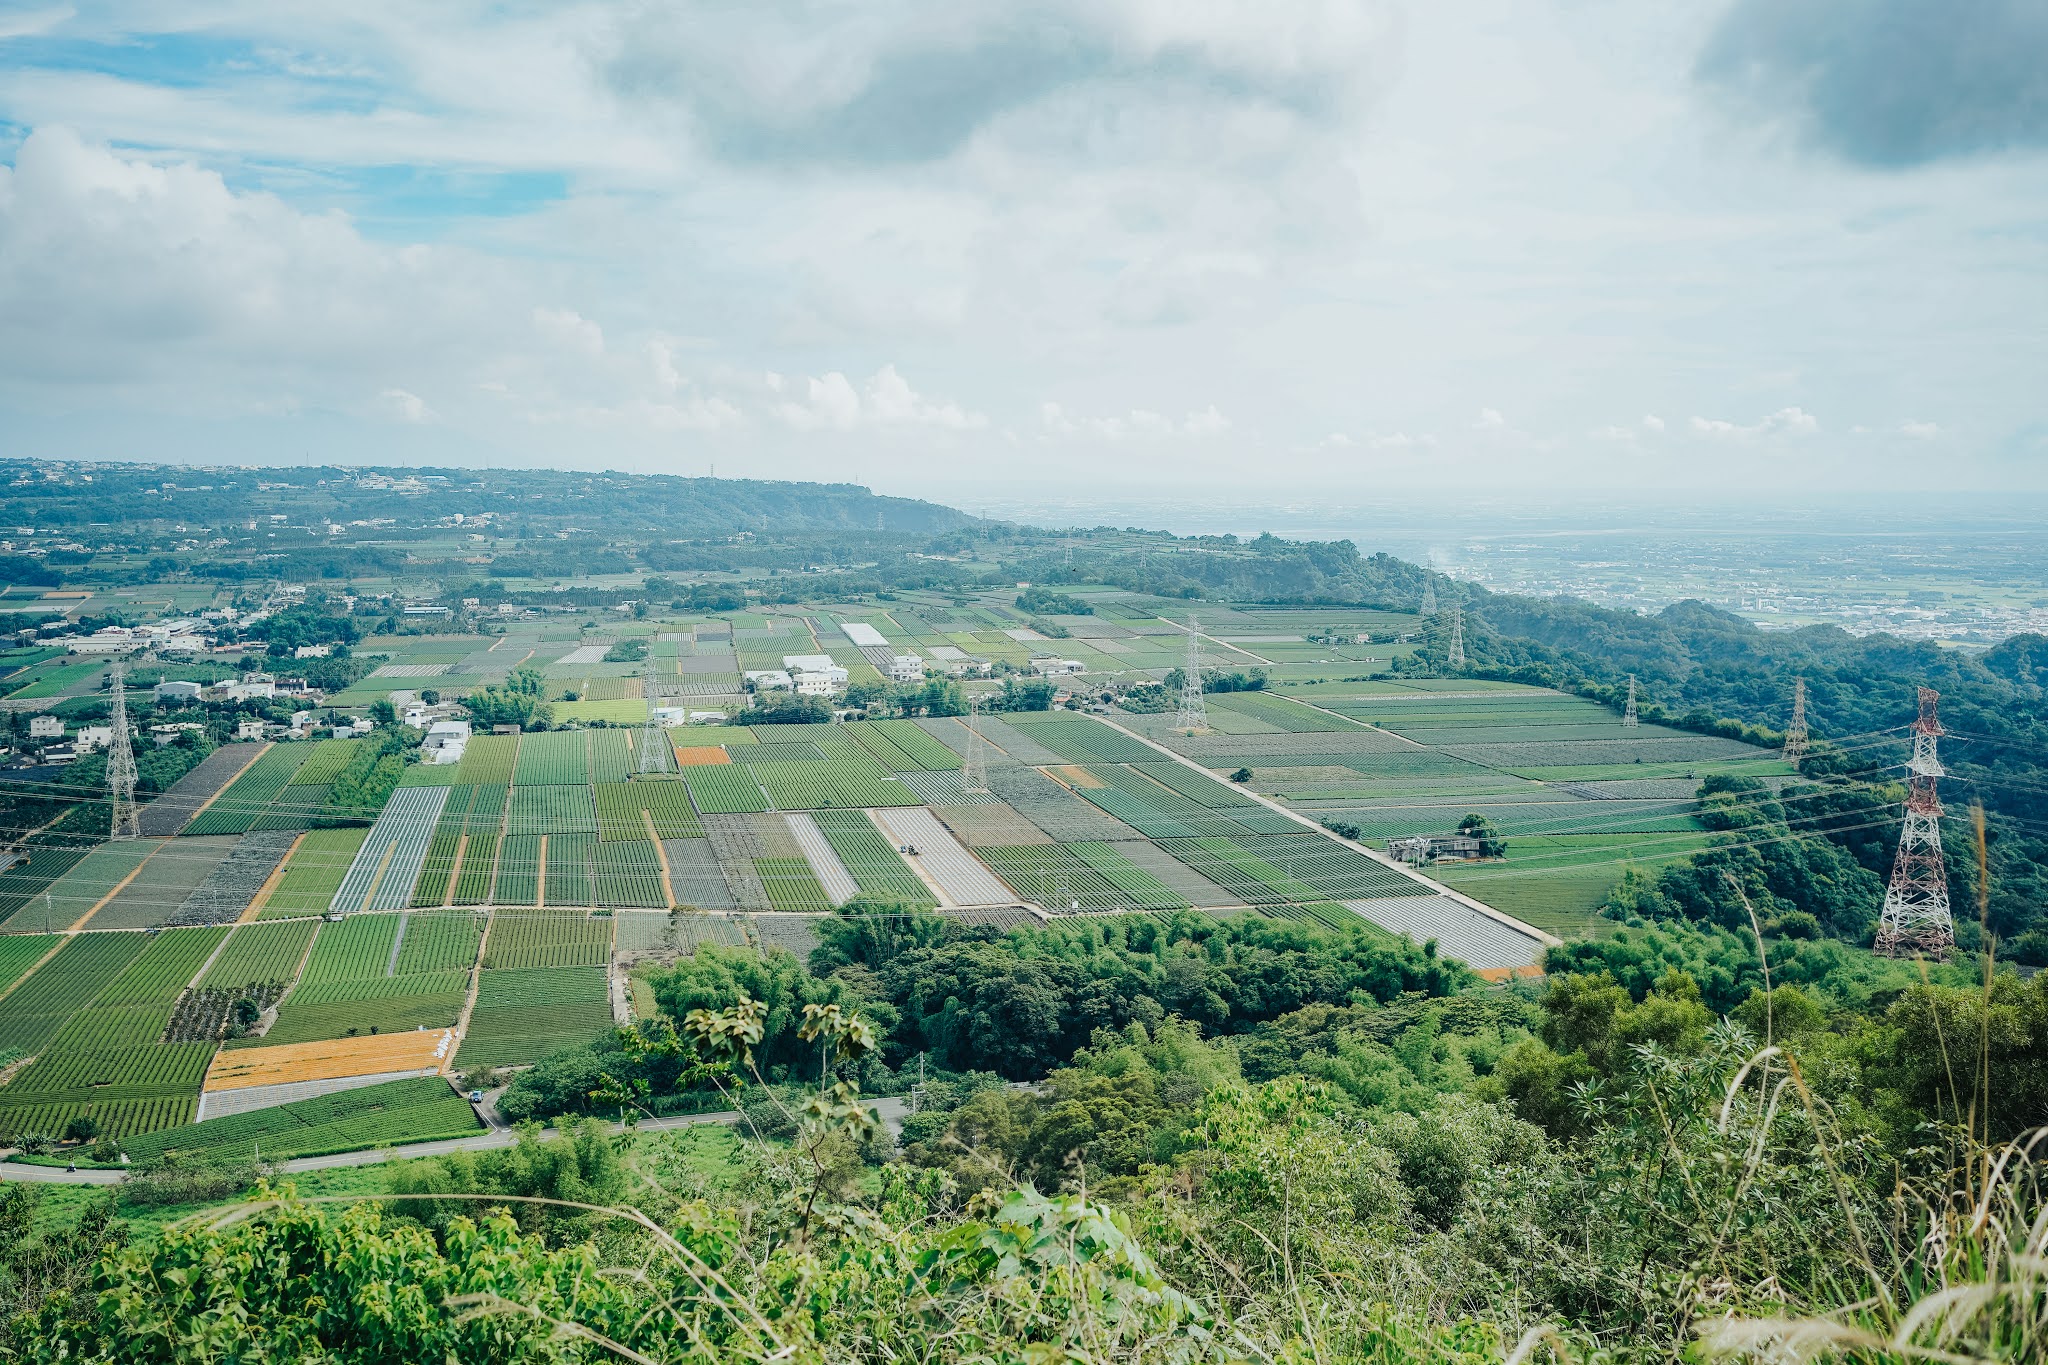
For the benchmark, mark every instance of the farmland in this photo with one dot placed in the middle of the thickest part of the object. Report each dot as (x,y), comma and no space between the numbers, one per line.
(523,1014)
(413,1110)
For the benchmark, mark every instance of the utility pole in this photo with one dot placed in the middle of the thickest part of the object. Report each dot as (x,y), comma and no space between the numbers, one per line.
(1194,714)
(1916,915)
(127,820)
(975,775)
(1456,658)
(1795,733)
(653,744)
(1629,719)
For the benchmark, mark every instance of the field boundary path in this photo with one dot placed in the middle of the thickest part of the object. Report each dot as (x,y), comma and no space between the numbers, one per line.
(1451,893)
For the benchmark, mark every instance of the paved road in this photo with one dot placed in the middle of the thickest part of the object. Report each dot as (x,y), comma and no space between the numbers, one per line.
(889,1110)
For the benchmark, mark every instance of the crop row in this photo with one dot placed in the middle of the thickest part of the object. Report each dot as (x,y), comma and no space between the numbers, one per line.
(479,865)
(877,869)
(78,1060)
(411,1110)
(1249,878)
(723,789)
(351,949)
(394,1004)
(487,760)
(436,868)
(38,1007)
(611,755)
(260,952)
(116,1117)
(791,885)
(524,1014)
(388,863)
(539,939)
(236,810)
(1047,874)
(1084,741)
(1288,715)
(619,807)
(908,737)
(550,810)
(438,942)
(326,761)
(1196,786)
(567,857)
(160,971)
(314,872)
(556,759)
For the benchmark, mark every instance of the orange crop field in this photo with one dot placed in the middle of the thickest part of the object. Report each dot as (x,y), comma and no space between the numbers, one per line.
(239,1068)
(701,755)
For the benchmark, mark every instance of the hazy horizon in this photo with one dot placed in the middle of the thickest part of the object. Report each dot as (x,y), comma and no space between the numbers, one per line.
(1748,249)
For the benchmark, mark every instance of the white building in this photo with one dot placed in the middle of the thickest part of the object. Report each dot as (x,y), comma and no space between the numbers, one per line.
(445,741)
(906,668)
(817,684)
(45,727)
(769,680)
(1051,668)
(249,728)
(185,644)
(112,640)
(814,663)
(313,651)
(178,691)
(91,737)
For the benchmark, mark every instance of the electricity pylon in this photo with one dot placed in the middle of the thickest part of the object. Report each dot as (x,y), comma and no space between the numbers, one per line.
(1916,916)
(974,772)
(653,744)
(1795,733)
(1629,719)
(1456,657)
(1428,597)
(1194,714)
(127,820)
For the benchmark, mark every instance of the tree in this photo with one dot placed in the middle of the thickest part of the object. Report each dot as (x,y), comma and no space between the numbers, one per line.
(1241,775)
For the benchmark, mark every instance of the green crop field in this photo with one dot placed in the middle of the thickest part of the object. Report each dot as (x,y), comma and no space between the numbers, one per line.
(439,942)
(314,873)
(1081,740)
(1094,876)
(619,807)
(791,885)
(479,864)
(325,763)
(524,1014)
(487,760)
(247,799)
(518,881)
(38,1007)
(627,873)
(1558,882)
(19,952)
(568,869)
(550,810)
(556,759)
(723,789)
(260,952)
(539,938)
(414,1110)
(870,859)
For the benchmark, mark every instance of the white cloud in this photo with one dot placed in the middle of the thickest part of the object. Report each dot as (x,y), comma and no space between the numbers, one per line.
(567,327)
(405,406)
(832,402)
(1651,422)
(1490,420)
(1783,422)
(1920,431)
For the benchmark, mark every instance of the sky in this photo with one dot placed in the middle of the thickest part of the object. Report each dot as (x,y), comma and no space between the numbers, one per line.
(1748,248)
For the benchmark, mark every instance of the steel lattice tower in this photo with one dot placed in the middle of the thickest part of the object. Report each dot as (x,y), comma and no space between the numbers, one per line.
(1916,916)
(127,821)
(1795,733)
(1428,597)
(1456,656)
(1629,719)
(974,774)
(653,744)
(1194,714)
